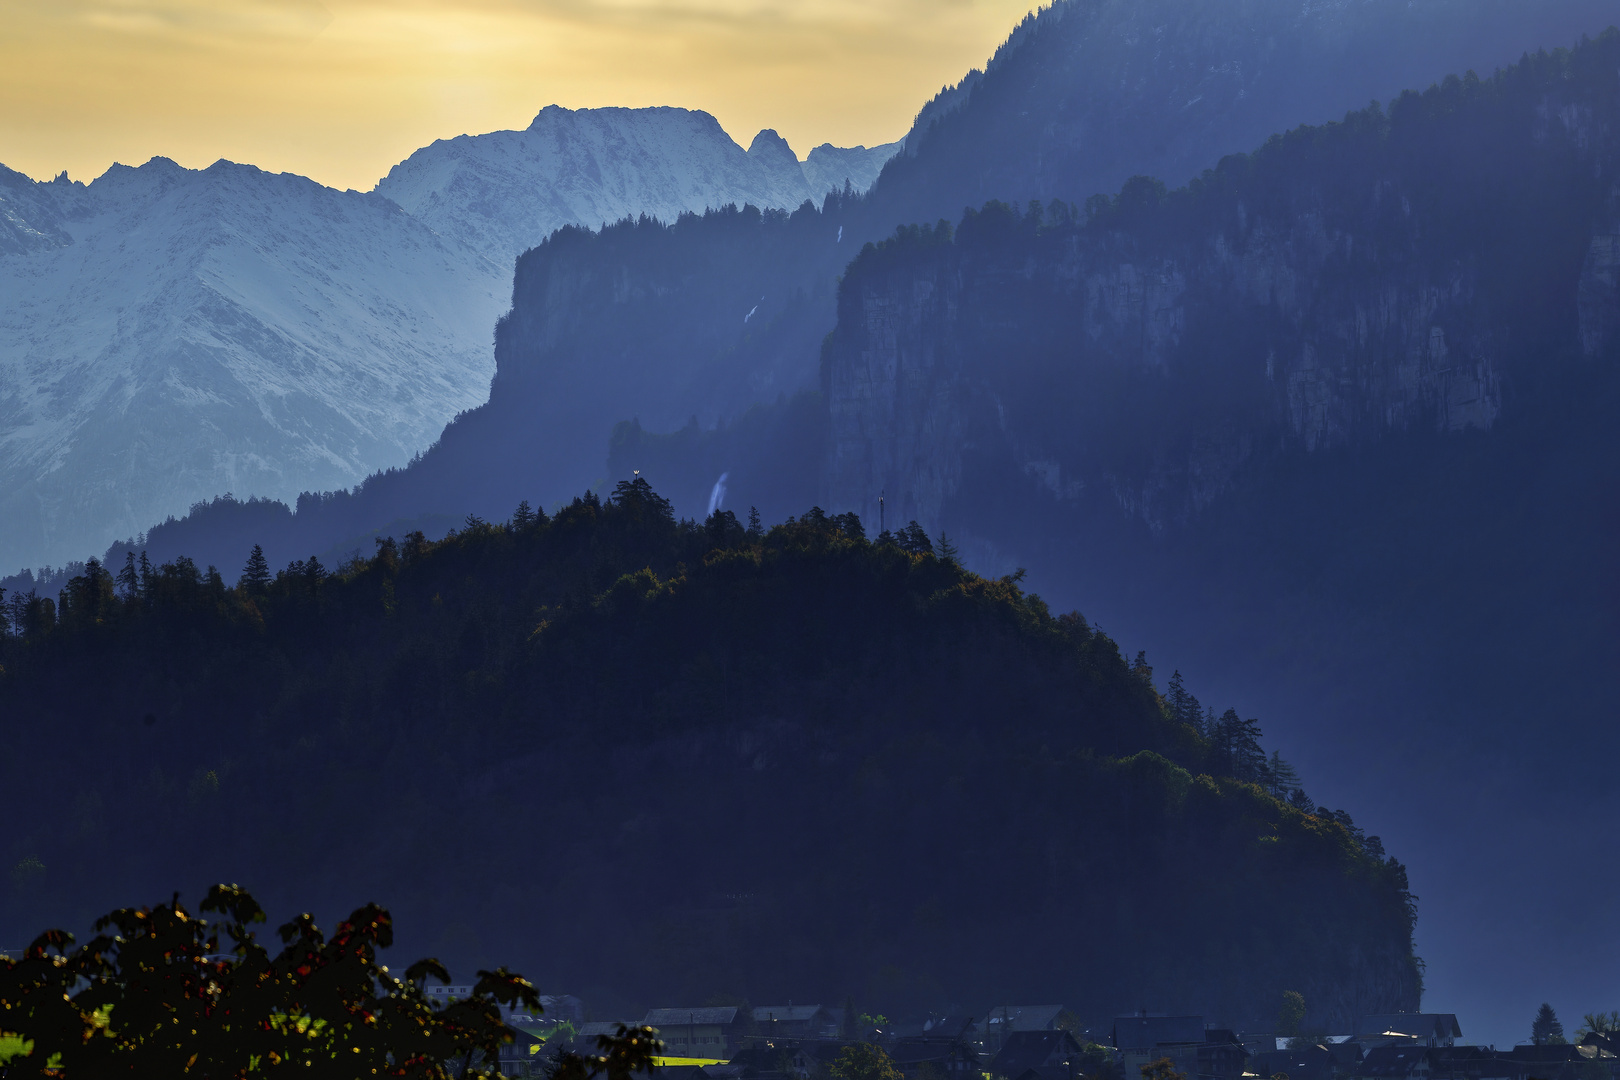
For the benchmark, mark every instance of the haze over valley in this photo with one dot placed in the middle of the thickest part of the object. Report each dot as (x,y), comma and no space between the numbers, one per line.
(1141,539)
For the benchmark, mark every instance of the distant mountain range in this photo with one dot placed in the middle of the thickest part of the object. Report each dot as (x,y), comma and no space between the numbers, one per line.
(706,320)
(505,192)
(169,334)
(119,408)
(173,333)
(1329,421)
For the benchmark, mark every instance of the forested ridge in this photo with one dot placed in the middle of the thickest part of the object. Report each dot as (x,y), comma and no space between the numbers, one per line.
(504,732)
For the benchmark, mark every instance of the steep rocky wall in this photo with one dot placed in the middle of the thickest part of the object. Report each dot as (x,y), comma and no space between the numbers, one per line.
(1599,298)
(1341,284)
(910,384)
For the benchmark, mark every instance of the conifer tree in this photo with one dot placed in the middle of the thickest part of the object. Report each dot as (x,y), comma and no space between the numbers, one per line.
(523,517)
(639,497)
(756,531)
(723,529)
(1243,756)
(1546,1030)
(1278,777)
(913,540)
(255,575)
(1184,707)
(387,557)
(416,545)
(129,578)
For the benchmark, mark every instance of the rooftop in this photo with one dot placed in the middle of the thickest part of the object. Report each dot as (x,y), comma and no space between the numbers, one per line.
(791,1014)
(661,1018)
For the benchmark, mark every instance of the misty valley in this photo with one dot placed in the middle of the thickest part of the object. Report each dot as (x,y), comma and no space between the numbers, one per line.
(620,604)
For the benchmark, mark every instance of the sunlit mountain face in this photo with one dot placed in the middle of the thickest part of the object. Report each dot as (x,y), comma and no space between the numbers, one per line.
(174,334)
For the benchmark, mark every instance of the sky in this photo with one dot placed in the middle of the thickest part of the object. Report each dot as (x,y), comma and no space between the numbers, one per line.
(340,90)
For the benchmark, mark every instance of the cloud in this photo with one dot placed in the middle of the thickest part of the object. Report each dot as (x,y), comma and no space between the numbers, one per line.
(202,20)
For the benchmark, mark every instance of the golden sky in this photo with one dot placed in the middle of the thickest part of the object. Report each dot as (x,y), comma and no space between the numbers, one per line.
(340,90)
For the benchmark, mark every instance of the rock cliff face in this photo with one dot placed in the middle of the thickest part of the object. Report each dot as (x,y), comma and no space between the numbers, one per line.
(1599,297)
(1327,364)
(1328,290)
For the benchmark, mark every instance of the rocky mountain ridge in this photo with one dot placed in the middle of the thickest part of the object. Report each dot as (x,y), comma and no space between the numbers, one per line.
(506,191)
(1086,93)
(168,335)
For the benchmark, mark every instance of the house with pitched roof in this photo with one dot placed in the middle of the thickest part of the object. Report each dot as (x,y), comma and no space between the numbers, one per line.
(938,1056)
(1142,1039)
(798,1021)
(1037,1055)
(709,1032)
(1429,1029)
(1408,1062)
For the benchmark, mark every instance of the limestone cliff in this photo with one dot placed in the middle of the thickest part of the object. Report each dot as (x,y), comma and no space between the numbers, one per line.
(1600,285)
(1387,273)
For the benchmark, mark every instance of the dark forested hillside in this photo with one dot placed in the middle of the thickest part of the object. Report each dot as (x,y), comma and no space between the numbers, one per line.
(655,761)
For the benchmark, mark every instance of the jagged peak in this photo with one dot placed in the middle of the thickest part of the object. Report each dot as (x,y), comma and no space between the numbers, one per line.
(769,144)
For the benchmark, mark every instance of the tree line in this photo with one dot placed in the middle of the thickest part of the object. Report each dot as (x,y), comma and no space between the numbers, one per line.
(541,701)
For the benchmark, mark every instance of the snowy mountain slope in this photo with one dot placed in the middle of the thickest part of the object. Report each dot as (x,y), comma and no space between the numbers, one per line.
(829,167)
(220,330)
(506,191)
(167,335)
(31,215)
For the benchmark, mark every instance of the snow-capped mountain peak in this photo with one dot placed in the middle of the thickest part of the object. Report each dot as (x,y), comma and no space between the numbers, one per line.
(191,332)
(170,334)
(506,191)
